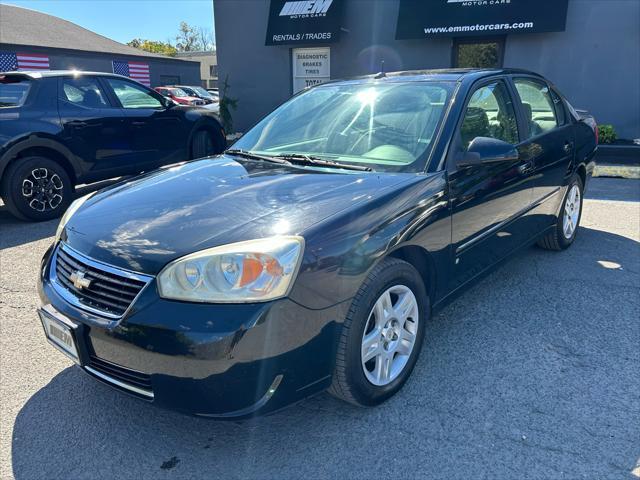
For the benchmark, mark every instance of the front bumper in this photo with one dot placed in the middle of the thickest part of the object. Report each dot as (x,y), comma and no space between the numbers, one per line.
(225,361)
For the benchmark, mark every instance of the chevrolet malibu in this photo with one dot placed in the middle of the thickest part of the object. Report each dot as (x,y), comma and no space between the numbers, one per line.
(311,254)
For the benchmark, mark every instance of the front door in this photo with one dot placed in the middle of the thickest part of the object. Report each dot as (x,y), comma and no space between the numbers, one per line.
(156,134)
(92,126)
(487,200)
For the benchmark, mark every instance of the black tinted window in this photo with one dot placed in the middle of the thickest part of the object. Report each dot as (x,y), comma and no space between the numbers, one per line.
(13,92)
(538,107)
(490,113)
(84,92)
(561,111)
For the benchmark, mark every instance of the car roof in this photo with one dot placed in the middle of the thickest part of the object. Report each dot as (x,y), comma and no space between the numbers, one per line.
(35,74)
(448,74)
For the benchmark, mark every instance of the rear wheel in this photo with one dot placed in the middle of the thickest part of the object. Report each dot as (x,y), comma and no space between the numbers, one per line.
(36,188)
(205,143)
(566,228)
(382,335)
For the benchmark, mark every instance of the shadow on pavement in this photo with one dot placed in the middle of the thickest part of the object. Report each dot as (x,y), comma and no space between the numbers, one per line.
(15,232)
(531,373)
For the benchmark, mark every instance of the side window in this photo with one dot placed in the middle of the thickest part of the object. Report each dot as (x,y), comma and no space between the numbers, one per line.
(538,106)
(132,95)
(561,111)
(84,92)
(490,113)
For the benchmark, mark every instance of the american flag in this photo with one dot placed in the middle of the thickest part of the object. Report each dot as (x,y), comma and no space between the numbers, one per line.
(23,61)
(135,70)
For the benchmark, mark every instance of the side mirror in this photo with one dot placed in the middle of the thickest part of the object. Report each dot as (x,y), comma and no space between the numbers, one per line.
(483,150)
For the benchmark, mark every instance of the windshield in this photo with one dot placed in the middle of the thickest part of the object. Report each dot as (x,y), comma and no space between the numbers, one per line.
(388,127)
(13,91)
(178,92)
(201,91)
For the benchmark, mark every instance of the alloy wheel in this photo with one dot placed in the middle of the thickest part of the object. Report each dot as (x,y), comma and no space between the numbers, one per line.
(43,189)
(389,335)
(571,212)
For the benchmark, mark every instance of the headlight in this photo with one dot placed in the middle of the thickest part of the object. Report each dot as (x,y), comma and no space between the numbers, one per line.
(253,271)
(75,205)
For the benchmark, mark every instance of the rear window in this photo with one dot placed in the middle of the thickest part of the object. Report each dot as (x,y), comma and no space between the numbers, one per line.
(13,91)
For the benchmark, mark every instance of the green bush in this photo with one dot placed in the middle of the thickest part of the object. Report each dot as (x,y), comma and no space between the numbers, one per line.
(227,104)
(607,134)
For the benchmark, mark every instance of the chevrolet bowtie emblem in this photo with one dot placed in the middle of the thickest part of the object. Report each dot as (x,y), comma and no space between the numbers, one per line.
(79,280)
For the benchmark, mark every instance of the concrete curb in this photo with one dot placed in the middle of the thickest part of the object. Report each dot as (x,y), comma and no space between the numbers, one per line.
(621,171)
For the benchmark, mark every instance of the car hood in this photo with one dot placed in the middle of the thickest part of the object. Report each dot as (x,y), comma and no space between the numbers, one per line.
(144,223)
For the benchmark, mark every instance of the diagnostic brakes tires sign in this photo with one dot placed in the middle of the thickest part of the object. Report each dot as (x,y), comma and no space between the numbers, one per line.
(456,18)
(304,22)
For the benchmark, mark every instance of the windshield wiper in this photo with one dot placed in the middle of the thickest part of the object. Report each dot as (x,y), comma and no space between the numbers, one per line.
(254,156)
(303,159)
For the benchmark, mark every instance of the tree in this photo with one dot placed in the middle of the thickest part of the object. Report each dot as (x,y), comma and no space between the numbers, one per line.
(205,37)
(153,46)
(188,39)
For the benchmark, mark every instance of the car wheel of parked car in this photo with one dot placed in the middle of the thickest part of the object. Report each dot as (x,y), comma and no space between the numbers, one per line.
(382,334)
(204,144)
(36,188)
(563,235)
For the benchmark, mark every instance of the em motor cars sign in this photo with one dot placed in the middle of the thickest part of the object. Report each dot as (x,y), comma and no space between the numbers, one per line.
(455,18)
(311,66)
(304,22)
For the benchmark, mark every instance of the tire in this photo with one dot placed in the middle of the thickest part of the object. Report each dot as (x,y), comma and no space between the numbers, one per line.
(36,189)
(356,381)
(558,239)
(205,143)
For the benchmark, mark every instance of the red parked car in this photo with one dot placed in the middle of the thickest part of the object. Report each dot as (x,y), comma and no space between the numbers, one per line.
(178,95)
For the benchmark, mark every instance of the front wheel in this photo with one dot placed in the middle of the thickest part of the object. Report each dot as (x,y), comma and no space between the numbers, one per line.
(36,188)
(205,143)
(566,228)
(382,335)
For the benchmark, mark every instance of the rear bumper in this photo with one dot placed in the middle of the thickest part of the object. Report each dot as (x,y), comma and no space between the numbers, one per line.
(225,361)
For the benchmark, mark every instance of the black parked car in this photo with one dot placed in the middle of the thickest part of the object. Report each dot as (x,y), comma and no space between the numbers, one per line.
(60,128)
(200,93)
(310,256)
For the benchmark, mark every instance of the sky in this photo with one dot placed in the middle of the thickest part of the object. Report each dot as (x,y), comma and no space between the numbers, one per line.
(124,20)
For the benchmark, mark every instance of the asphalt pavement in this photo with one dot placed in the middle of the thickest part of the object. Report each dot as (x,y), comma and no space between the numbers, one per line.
(532,373)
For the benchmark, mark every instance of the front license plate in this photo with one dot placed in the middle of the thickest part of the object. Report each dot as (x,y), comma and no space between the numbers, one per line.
(58,330)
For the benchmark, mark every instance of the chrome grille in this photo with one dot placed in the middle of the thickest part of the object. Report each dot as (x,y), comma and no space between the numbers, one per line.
(108,291)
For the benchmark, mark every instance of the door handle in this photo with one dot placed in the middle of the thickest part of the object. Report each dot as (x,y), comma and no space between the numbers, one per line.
(138,124)
(77,124)
(526,167)
(568,146)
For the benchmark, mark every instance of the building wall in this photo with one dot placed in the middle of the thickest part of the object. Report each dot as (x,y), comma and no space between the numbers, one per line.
(189,72)
(595,62)
(207,60)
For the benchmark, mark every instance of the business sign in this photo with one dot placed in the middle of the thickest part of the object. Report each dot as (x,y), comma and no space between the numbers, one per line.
(457,18)
(311,66)
(304,22)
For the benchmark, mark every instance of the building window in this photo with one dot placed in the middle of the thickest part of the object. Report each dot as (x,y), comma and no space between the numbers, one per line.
(478,52)
(213,71)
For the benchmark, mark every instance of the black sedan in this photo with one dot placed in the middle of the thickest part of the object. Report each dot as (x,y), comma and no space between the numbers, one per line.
(311,254)
(61,128)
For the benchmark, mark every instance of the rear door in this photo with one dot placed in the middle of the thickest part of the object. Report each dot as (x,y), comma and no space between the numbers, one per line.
(549,143)
(92,127)
(488,201)
(156,134)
